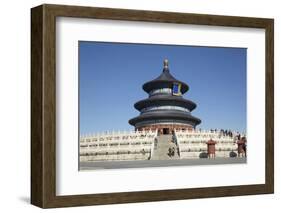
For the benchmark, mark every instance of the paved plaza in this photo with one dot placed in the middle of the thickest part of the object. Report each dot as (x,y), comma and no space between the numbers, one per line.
(159,163)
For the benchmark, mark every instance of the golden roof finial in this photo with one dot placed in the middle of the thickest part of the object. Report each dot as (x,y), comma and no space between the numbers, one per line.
(166,64)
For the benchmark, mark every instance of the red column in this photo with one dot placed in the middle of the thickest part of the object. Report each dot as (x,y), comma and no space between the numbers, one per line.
(241,147)
(211,148)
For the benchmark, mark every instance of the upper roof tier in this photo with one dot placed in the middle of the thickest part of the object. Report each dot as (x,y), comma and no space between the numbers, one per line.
(165,80)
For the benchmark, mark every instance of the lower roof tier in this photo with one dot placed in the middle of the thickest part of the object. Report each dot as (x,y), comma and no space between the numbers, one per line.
(165,100)
(165,116)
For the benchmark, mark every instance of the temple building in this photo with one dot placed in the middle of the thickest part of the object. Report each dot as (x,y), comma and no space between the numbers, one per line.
(165,109)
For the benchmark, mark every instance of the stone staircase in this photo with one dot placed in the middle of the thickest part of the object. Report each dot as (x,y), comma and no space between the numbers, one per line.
(161,150)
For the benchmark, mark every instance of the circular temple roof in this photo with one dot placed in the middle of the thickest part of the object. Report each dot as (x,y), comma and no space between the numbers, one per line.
(164,80)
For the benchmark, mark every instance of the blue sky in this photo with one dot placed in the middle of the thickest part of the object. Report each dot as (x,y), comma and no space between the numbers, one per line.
(111,76)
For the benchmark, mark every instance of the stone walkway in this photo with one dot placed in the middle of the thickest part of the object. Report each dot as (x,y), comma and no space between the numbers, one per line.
(161,150)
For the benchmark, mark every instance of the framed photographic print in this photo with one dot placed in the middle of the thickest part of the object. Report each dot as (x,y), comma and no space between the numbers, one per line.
(136,106)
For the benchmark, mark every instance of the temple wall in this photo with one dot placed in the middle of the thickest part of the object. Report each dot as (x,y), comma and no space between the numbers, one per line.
(115,157)
(189,155)
(139,145)
(117,146)
(196,154)
(193,144)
